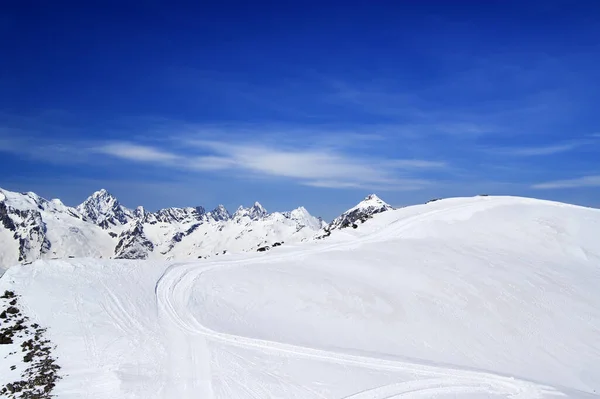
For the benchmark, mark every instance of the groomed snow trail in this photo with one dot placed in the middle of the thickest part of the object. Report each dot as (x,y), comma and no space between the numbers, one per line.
(174,289)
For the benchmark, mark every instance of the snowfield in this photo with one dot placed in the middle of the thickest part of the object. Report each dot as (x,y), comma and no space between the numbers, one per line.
(485,297)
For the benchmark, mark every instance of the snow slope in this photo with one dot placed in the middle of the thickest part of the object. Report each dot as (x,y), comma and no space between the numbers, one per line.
(469,297)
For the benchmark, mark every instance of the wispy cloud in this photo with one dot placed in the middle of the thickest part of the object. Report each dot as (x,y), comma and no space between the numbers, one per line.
(544,150)
(308,166)
(415,163)
(136,152)
(317,156)
(586,181)
(547,149)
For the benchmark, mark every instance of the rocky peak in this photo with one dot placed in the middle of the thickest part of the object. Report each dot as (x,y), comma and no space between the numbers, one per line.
(373,200)
(220,213)
(133,243)
(301,216)
(139,213)
(180,215)
(361,212)
(102,208)
(256,212)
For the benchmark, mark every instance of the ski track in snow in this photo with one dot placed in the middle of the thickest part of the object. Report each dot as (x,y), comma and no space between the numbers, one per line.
(175,286)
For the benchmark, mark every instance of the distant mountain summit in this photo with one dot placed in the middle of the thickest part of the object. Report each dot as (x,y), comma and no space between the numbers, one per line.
(32,227)
(256,212)
(103,209)
(360,213)
(220,213)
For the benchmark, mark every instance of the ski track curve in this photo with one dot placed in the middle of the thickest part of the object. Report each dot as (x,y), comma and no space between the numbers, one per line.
(174,288)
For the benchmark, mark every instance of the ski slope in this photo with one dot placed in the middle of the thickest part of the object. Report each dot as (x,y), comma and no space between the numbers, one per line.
(469,297)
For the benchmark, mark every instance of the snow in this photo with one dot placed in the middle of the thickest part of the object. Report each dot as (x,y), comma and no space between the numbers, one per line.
(468,297)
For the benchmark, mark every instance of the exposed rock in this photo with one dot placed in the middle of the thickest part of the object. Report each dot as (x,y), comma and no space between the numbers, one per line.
(134,244)
(360,213)
(5,218)
(180,215)
(40,377)
(103,209)
(254,213)
(220,214)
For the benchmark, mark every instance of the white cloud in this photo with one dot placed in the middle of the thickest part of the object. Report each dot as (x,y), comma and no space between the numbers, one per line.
(545,150)
(394,185)
(586,181)
(314,167)
(309,166)
(416,164)
(209,163)
(136,152)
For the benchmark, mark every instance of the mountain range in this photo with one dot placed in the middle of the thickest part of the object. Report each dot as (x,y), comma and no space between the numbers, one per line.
(32,228)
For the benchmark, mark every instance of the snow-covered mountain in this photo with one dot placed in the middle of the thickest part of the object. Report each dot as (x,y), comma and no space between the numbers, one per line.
(104,210)
(483,297)
(32,227)
(360,213)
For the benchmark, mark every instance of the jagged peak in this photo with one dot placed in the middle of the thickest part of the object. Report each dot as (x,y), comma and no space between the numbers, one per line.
(298,211)
(139,212)
(103,207)
(362,211)
(372,197)
(372,200)
(258,207)
(220,213)
(257,211)
(100,196)
(102,193)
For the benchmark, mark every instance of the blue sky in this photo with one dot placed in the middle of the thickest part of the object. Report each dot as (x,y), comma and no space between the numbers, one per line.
(315,103)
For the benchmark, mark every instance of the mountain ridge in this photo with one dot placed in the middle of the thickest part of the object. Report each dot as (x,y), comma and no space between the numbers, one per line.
(32,227)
